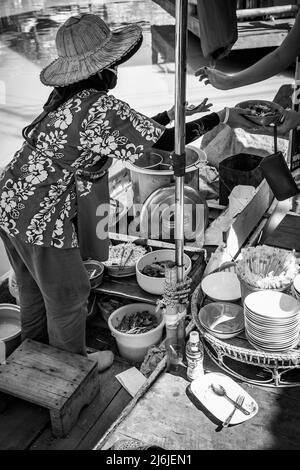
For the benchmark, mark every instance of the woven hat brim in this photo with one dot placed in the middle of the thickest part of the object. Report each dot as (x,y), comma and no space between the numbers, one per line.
(65,71)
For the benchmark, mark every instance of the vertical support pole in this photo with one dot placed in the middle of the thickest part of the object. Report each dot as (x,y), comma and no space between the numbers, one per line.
(180,98)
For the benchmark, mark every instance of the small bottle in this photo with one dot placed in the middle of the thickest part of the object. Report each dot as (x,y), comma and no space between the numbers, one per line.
(194,356)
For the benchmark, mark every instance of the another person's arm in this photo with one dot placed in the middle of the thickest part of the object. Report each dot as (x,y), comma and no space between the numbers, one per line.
(273,63)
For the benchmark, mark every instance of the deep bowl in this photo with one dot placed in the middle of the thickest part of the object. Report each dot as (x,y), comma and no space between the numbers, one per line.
(155,285)
(222,319)
(95,270)
(264,113)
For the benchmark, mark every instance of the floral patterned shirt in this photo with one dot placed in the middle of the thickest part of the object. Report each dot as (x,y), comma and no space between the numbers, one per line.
(37,188)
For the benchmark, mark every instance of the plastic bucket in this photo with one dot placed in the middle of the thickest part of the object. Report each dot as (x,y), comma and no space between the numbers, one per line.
(240,169)
(135,346)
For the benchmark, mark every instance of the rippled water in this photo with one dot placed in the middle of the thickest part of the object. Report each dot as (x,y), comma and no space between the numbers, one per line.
(27,44)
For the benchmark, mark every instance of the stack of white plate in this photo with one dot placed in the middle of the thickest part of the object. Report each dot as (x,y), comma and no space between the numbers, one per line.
(296,287)
(272,320)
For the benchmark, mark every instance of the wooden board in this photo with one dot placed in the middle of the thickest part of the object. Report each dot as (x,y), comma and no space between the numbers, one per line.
(287,233)
(52,378)
(128,287)
(166,417)
(247,220)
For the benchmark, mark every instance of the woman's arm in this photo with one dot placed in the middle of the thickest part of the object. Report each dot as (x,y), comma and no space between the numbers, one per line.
(273,63)
(167,116)
(195,129)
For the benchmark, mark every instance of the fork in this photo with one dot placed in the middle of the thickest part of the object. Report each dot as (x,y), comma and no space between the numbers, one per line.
(239,401)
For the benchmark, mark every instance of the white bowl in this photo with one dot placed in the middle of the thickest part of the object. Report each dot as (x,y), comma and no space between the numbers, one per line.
(135,346)
(155,285)
(222,286)
(222,319)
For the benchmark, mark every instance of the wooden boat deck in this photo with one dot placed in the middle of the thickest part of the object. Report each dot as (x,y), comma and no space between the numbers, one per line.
(24,426)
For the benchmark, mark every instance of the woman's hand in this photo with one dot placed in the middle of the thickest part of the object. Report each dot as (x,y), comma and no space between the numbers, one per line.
(215,77)
(191,109)
(237,119)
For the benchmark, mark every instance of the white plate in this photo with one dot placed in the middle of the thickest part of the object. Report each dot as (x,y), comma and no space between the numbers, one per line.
(220,407)
(272,304)
(222,286)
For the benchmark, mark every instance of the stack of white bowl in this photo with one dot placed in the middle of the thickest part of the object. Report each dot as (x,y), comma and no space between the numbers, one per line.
(272,320)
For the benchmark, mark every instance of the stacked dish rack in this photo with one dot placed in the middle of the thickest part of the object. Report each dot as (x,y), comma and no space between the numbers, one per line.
(237,357)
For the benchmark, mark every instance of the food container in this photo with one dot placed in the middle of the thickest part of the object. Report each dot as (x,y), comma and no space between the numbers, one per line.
(222,319)
(155,285)
(262,112)
(154,170)
(10,326)
(95,270)
(266,268)
(122,259)
(222,286)
(135,346)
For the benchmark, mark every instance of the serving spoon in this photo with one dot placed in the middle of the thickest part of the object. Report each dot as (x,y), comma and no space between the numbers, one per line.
(221,392)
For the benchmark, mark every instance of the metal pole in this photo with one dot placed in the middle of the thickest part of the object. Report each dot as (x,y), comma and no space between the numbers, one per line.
(180,94)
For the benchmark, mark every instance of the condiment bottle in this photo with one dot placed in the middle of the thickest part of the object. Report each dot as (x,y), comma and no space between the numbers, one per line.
(194,356)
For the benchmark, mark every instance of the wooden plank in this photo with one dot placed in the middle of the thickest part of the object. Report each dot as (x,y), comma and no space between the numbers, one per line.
(286,235)
(41,390)
(127,288)
(45,353)
(63,420)
(246,221)
(109,388)
(184,427)
(155,243)
(111,413)
(20,424)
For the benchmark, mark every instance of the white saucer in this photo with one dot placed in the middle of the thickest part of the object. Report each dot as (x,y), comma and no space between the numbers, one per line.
(219,406)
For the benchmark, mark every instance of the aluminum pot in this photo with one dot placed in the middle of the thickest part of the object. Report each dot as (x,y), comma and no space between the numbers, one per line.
(154,170)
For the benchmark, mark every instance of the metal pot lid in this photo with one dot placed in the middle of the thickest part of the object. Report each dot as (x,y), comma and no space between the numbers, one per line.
(159,162)
(157,217)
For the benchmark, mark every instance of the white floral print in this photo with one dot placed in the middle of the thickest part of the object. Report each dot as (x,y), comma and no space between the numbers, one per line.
(38,199)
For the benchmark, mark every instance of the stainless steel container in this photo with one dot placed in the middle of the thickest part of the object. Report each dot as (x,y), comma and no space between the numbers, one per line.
(154,170)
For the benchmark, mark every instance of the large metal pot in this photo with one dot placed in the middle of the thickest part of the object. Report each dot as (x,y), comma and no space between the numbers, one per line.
(154,170)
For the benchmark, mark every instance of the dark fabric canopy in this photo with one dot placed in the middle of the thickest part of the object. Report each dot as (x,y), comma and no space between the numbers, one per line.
(218,27)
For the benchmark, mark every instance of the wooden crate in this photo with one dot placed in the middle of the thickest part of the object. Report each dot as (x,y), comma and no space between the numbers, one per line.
(52,378)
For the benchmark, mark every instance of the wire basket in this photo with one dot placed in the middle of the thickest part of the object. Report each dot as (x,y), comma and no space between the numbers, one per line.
(237,357)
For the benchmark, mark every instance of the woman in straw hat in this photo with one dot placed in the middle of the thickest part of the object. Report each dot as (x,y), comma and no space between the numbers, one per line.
(49,186)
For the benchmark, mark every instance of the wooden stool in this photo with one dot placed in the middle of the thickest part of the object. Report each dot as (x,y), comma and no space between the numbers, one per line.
(60,381)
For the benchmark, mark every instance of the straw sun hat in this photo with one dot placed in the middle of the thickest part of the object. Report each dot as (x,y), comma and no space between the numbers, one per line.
(85,46)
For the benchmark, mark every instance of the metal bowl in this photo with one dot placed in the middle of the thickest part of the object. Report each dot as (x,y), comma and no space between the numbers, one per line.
(157,217)
(222,319)
(95,270)
(261,112)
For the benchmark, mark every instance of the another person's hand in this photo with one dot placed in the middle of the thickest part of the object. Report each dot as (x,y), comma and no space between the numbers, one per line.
(191,109)
(215,77)
(290,120)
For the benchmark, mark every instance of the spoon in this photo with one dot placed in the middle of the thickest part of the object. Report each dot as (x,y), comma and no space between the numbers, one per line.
(221,392)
